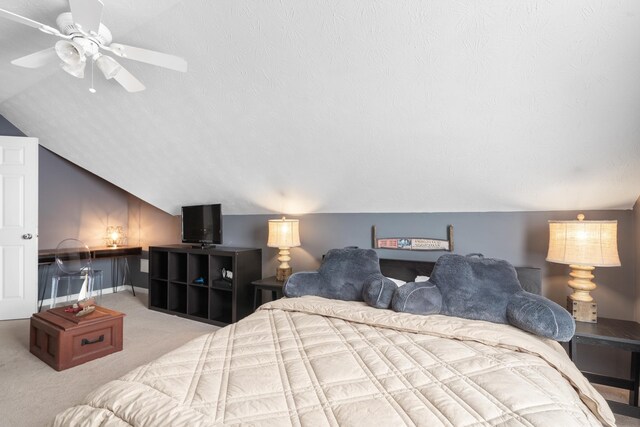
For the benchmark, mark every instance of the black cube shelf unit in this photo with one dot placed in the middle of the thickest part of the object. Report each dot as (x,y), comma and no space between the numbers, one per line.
(173,289)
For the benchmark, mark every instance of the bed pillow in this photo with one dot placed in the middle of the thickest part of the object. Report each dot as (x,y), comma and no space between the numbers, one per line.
(540,316)
(475,287)
(378,291)
(417,298)
(342,275)
(487,289)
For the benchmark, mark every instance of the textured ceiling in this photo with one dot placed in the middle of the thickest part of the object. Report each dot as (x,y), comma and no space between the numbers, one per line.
(351,106)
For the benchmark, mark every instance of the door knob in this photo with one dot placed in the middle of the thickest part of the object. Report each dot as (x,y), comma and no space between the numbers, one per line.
(27,236)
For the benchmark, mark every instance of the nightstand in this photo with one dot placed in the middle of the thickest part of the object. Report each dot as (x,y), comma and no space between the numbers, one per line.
(268,284)
(613,333)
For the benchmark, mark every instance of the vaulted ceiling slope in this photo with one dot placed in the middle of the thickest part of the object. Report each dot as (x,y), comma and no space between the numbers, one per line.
(351,106)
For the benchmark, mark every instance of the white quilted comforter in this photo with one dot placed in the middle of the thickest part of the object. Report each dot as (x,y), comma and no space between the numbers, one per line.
(313,362)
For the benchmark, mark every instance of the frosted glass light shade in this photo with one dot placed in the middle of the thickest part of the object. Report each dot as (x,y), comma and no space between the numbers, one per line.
(109,66)
(75,70)
(71,53)
(284,233)
(587,243)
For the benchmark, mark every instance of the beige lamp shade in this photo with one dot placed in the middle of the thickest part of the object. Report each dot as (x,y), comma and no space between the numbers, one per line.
(284,233)
(588,243)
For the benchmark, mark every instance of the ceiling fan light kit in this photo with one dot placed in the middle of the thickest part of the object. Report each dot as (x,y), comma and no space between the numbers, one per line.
(84,36)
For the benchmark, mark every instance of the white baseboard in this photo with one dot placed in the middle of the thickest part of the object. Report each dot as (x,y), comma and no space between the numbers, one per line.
(108,290)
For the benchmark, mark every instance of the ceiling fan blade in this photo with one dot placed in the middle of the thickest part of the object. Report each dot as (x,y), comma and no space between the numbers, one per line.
(37,59)
(30,22)
(87,14)
(165,60)
(128,81)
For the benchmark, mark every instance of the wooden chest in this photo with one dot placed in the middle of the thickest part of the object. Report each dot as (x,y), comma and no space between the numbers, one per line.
(63,340)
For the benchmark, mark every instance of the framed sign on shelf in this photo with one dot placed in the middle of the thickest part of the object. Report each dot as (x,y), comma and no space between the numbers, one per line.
(413,243)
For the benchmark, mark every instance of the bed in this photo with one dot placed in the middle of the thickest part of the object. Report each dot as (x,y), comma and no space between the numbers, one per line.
(314,361)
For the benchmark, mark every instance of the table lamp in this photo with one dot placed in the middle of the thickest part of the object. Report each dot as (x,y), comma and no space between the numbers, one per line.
(583,245)
(115,235)
(283,234)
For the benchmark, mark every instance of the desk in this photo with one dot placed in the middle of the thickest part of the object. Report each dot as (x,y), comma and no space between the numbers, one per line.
(613,333)
(48,256)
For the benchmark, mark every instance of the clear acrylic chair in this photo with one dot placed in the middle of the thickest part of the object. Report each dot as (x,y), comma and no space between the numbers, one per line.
(73,262)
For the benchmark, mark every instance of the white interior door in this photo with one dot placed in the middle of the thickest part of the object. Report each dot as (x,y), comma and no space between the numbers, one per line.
(18,227)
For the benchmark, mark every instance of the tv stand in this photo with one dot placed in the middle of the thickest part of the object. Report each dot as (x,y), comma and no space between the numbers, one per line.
(187,281)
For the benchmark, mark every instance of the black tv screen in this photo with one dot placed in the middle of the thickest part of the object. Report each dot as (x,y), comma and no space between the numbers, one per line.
(202,224)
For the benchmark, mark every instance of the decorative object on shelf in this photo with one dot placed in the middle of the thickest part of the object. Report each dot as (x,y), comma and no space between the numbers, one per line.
(227,274)
(413,243)
(284,234)
(115,236)
(583,245)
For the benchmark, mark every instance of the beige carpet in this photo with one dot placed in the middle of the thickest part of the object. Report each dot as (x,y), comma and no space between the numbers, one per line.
(33,393)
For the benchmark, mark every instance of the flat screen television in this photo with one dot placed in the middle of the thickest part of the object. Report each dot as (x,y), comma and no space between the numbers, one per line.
(202,224)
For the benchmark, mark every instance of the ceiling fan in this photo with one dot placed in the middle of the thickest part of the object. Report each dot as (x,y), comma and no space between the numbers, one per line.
(84,36)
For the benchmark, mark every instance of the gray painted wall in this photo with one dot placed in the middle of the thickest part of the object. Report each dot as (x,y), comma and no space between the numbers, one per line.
(76,203)
(8,129)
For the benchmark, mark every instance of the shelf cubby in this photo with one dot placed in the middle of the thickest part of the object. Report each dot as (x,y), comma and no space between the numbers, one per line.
(177,300)
(220,307)
(198,267)
(198,303)
(158,293)
(217,263)
(178,267)
(158,265)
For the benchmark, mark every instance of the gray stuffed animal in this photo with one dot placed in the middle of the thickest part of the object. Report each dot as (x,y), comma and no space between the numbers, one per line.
(342,275)
(484,289)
